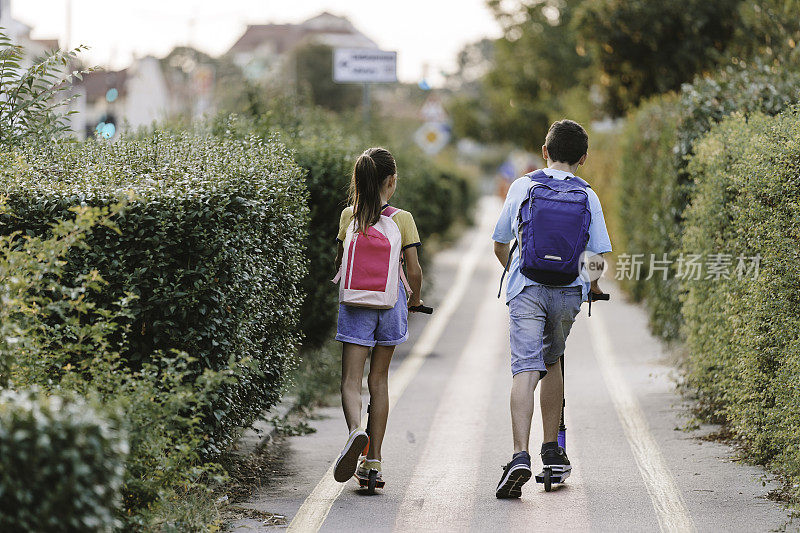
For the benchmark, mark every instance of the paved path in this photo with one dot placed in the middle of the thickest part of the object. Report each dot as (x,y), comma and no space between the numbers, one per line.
(449,430)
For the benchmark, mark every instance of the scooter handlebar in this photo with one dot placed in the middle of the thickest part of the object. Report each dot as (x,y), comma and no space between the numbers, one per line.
(421,309)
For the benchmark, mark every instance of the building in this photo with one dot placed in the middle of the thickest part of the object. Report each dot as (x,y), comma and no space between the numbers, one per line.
(136,96)
(263,50)
(20,33)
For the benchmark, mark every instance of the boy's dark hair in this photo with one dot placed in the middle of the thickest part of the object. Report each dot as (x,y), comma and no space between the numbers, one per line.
(566,141)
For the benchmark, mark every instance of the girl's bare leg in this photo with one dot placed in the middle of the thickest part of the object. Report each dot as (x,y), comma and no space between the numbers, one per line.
(353,358)
(378,381)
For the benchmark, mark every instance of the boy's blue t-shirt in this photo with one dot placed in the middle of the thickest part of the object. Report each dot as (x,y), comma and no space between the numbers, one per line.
(507,226)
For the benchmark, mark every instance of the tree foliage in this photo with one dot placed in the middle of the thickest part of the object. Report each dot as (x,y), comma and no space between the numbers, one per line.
(32,99)
(642,48)
(313,69)
(535,60)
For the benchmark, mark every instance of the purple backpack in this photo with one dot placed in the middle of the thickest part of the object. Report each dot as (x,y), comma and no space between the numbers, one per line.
(553,229)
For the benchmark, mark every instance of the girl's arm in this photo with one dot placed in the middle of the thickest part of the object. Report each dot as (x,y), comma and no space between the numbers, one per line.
(339,255)
(414,274)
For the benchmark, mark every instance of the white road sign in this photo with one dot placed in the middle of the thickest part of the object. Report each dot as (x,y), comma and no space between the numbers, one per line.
(356,65)
(432,137)
(433,110)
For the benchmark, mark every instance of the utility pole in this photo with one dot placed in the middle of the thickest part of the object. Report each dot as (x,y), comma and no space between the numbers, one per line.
(68,33)
(367,102)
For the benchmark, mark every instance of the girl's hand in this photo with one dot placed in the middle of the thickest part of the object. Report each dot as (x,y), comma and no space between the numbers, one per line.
(414,301)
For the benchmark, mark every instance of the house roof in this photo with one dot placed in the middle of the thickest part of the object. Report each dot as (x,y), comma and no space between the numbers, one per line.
(285,37)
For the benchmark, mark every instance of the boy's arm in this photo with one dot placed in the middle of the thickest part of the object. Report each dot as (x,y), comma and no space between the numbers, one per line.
(504,228)
(594,286)
(599,241)
(414,274)
(501,251)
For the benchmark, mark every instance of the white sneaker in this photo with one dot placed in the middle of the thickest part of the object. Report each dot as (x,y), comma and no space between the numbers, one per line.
(348,459)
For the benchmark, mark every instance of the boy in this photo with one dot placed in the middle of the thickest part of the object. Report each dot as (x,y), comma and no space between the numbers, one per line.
(542,314)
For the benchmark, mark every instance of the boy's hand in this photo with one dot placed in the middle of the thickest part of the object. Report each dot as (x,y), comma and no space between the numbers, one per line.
(414,301)
(595,288)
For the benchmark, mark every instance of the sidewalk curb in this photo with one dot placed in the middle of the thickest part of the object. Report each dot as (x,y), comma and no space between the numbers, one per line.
(261,433)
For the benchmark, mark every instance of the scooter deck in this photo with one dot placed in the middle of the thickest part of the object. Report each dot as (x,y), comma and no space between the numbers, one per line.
(557,475)
(364,482)
(370,483)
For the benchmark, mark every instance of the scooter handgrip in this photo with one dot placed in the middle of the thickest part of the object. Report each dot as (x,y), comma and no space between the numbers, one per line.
(601,296)
(421,309)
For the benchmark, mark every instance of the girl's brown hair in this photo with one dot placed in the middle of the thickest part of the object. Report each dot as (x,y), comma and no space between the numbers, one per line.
(371,169)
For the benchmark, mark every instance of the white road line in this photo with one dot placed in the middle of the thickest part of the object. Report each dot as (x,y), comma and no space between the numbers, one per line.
(664,493)
(443,489)
(315,508)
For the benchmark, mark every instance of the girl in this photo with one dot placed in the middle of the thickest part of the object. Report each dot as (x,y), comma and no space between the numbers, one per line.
(379,330)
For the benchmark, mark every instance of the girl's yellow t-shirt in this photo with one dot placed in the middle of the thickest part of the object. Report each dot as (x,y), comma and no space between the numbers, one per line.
(403,219)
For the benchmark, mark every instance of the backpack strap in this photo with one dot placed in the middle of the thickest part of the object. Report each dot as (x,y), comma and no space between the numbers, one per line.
(579,181)
(540,177)
(404,279)
(389,211)
(510,255)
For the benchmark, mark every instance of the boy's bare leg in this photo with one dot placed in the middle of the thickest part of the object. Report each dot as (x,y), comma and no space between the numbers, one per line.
(378,381)
(353,359)
(522,389)
(552,398)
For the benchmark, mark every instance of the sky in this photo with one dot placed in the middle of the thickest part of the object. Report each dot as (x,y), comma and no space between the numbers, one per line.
(423,32)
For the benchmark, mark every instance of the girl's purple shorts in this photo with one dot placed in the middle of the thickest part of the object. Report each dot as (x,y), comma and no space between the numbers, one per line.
(368,327)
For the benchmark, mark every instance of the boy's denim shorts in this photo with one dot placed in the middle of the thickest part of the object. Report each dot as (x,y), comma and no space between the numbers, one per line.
(541,318)
(368,327)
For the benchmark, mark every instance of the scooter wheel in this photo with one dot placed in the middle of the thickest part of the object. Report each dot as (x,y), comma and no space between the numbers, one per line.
(372,482)
(548,484)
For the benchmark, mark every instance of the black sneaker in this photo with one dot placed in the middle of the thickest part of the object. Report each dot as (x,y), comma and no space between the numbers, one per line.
(515,474)
(555,457)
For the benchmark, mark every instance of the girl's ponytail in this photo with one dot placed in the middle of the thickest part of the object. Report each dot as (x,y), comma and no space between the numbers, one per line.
(371,169)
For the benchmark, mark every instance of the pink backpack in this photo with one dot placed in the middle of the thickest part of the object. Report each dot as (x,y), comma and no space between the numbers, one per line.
(370,273)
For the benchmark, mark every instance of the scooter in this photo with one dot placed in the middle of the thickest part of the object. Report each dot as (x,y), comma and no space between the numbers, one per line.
(553,475)
(370,482)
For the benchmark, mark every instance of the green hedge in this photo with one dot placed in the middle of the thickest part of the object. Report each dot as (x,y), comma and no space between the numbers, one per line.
(744,334)
(61,465)
(649,203)
(211,246)
(654,186)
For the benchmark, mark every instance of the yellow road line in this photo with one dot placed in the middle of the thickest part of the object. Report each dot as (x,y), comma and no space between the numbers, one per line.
(315,508)
(673,516)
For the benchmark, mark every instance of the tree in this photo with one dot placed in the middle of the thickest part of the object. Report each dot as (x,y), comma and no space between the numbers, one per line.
(642,47)
(313,65)
(531,66)
(769,30)
(30,98)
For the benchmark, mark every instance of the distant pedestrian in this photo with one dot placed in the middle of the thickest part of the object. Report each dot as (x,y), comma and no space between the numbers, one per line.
(375,297)
(554,217)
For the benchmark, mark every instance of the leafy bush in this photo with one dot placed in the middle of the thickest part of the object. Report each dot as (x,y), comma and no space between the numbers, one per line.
(61,464)
(56,338)
(654,185)
(602,172)
(743,333)
(649,202)
(211,246)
